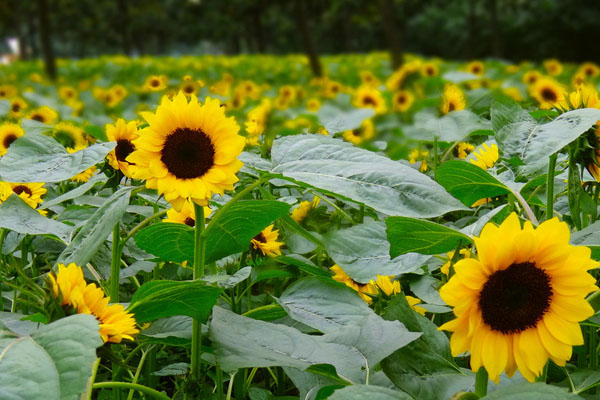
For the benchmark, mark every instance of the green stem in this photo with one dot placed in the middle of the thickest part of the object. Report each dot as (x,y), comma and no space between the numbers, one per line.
(134,386)
(219,383)
(93,378)
(593,348)
(230,386)
(199,250)
(574,189)
(137,373)
(550,187)
(481,382)
(544,376)
(115,265)
(434,165)
(142,224)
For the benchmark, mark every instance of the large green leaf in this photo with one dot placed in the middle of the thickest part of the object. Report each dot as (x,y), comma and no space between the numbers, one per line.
(408,235)
(172,331)
(468,182)
(521,136)
(17,216)
(95,231)
(55,362)
(363,252)
(162,299)
(368,392)
(230,233)
(531,391)
(38,158)
(336,120)
(452,127)
(340,168)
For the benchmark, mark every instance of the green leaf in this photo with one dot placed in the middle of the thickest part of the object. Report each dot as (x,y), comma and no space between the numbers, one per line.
(356,174)
(451,127)
(38,158)
(269,312)
(336,120)
(4,107)
(230,233)
(584,379)
(368,392)
(408,235)
(95,231)
(531,391)
(468,182)
(172,331)
(303,264)
(71,194)
(17,216)
(162,299)
(54,363)
(97,132)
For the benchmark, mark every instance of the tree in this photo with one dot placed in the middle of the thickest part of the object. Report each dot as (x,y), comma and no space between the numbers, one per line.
(307,41)
(391,32)
(45,39)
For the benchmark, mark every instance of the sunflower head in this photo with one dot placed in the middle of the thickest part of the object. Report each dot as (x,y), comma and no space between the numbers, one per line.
(402,100)
(453,99)
(124,133)
(155,83)
(547,92)
(17,106)
(485,156)
(83,176)
(8,134)
(266,242)
(531,77)
(476,67)
(43,114)
(69,135)
(553,67)
(463,149)
(365,132)
(188,151)
(30,193)
(429,69)
(313,104)
(299,213)
(520,301)
(367,96)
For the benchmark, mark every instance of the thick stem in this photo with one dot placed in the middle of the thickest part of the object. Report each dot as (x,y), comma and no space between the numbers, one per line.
(435,157)
(115,265)
(199,250)
(550,187)
(481,382)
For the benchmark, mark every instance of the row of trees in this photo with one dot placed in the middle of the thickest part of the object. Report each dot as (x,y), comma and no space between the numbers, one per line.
(512,29)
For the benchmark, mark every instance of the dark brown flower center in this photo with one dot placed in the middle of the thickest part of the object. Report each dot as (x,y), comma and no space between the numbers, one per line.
(188,153)
(15,107)
(38,117)
(189,221)
(515,299)
(429,71)
(154,83)
(369,101)
(123,149)
(451,106)
(188,89)
(401,99)
(260,238)
(549,95)
(22,188)
(8,140)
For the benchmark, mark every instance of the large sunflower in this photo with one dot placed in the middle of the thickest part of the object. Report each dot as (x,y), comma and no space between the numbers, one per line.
(188,150)
(30,193)
(521,300)
(8,134)
(547,92)
(124,133)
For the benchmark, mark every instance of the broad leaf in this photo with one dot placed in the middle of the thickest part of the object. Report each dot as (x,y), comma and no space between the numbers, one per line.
(172,331)
(531,391)
(340,168)
(408,235)
(368,392)
(336,120)
(38,158)
(452,127)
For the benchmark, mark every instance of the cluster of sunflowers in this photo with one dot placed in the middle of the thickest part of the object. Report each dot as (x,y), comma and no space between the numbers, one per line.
(180,125)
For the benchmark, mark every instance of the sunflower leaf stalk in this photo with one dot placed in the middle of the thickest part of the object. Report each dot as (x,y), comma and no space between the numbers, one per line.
(199,252)
(115,264)
(550,187)
(481,382)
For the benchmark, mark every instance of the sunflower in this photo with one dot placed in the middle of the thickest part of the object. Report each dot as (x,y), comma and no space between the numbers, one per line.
(589,69)
(7,91)
(300,212)
(67,93)
(249,89)
(429,69)
(553,67)
(453,99)
(189,87)
(69,135)
(476,67)
(584,97)
(43,114)
(288,93)
(70,287)
(485,156)
(531,77)
(463,149)
(30,193)
(366,131)
(367,78)
(124,133)
(313,104)
(266,242)
(155,83)
(547,92)
(513,93)
(17,106)
(83,176)
(187,215)
(366,96)
(445,269)
(365,291)
(332,89)
(188,150)
(402,100)
(419,155)
(520,302)
(8,134)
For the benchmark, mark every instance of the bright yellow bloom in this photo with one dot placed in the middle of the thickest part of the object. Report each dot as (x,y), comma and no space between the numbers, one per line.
(124,133)
(429,69)
(547,92)
(313,104)
(476,67)
(83,176)
(43,114)
(155,83)
(266,242)
(463,149)
(465,253)
(365,132)
(584,97)
(366,96)
(485,156)
(531,77)
(17,106)
(589,69)
(8,134)
(403,100)
(69,135)
(553,67)
(300,212)
(513,93)
(419,155)
(453,99)
(187,215)
(520,301)
(365,291)
(30,193)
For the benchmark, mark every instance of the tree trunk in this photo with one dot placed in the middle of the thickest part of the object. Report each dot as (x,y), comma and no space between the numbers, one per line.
(496,39)
(45,42)
(123,20)
(258,30)
(471,30)
(307,41)
(391,32)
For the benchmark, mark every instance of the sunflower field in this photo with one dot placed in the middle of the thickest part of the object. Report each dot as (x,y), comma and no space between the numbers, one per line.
(230,227)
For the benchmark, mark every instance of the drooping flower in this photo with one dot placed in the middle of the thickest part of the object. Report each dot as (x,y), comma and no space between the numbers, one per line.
(124,133)
(520,301)
(453,99)
(364,290)
(300,212)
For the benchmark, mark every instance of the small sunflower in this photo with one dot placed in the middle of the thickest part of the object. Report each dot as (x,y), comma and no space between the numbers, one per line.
(187,215)
(300,212)
(365,291)
(43,114)
(367,78)
(189,87)
(83,176)
(124,133)
(266,242)
(17,106)
(188,150)
(366,96)
(365,132)
(403,100)
(485,156)
(553,67)
(463,149)
(67,93)
(429,69)
(531,77)
(453,99)
(589,69)
(513,93)
(476,67)
(313,104)
(69,135)
(547,92)
(155,83)
(419,155)
(520,301)
(8,134)
(30,193)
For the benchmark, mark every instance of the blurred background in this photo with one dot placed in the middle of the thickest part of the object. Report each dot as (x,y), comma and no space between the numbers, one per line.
(458,29)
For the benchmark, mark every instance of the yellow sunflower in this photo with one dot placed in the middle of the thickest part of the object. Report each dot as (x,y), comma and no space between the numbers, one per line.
(476,67)
(589,69)
(485,156)
(300,212)
(67,93)
(187,215)
(124,133)
(313,104)
(189,87)
(531,77)
(266,242)
(83,176)
(43,114)
(463,149)
(30,193)
(553,67)
(547,92)
(584,97)
(155,83)
(69,285)
(419,155)
(429,69)
(365,132)
(69,135)
(367,96)
(403,100)
(188,151)
(8,134)
(365,291)
(513,93)
(520,302)
(453,99)
(17,106)
(367,78)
